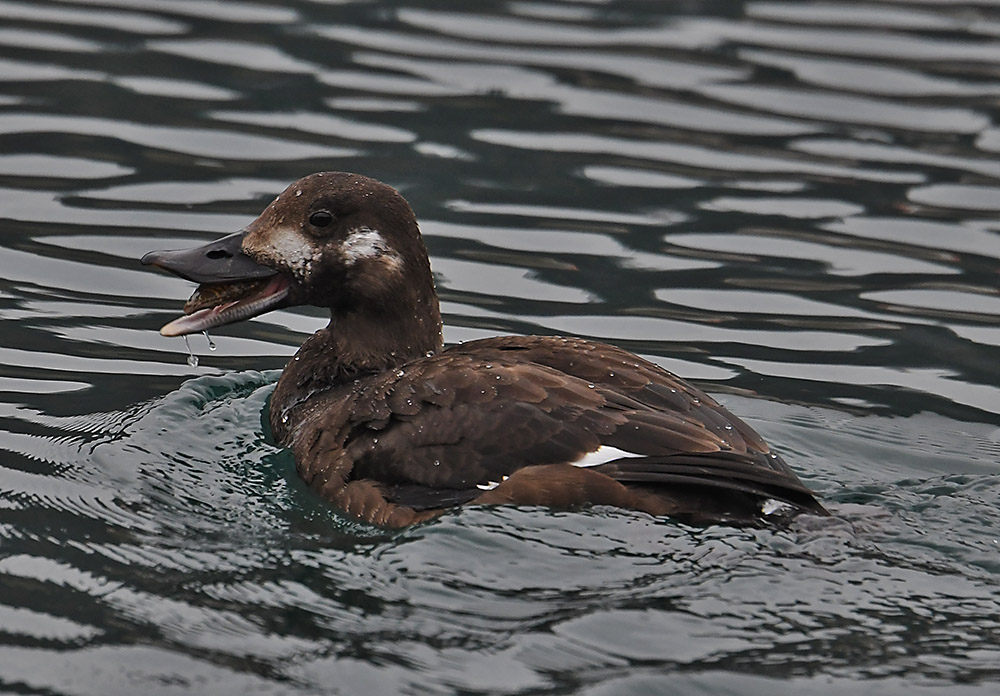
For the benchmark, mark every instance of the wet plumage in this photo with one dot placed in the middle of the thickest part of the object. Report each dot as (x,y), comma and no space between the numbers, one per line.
(392,429)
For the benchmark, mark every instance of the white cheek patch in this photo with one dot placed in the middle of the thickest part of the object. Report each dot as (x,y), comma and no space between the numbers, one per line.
(289,250)
(603,455)
(365,243)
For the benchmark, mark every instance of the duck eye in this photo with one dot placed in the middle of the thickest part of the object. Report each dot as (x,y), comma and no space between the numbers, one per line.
(320,218)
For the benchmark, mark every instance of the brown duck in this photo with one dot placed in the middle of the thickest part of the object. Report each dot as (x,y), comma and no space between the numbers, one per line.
(393,429)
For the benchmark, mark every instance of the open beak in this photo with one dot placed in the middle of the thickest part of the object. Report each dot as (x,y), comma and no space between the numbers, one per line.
(233,287)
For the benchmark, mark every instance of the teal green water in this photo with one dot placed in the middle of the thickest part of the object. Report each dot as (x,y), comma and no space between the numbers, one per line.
(795,205)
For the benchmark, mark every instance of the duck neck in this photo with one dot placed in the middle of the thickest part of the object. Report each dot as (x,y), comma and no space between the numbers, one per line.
(354,344)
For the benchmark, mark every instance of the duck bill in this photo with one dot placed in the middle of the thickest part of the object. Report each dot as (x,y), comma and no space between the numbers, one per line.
(232,286)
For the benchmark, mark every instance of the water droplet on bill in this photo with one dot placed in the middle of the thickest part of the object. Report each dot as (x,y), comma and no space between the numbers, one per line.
(192,358)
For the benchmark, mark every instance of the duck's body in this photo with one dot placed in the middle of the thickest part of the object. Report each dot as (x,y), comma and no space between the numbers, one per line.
(392,429)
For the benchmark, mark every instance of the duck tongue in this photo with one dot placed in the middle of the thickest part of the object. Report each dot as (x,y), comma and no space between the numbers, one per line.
(218,304)
(233,287)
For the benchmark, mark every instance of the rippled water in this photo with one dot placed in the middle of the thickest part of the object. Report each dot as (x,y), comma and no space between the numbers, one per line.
(795,204)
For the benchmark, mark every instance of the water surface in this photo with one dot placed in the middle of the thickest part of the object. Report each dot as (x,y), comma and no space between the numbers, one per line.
(796,205)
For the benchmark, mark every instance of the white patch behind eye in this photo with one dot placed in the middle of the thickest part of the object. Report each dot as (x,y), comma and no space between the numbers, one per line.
(366,243)
(603,455)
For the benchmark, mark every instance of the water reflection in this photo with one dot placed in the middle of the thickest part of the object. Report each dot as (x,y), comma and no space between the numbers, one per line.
(702,159)
(794,204)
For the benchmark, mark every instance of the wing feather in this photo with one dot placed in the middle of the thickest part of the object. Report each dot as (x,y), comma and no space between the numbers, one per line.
(430,433)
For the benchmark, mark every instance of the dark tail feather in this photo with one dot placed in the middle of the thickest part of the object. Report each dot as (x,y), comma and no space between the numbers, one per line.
(743,473)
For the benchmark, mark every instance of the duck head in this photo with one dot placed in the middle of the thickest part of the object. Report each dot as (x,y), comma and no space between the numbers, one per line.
(333,239)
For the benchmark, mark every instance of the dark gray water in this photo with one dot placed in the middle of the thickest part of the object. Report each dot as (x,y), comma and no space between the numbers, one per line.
(796,205)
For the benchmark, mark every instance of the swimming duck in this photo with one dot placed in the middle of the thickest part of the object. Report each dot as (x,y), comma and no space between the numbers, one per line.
(393,429)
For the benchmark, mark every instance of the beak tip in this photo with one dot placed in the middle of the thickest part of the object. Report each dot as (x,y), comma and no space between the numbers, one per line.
(170,330)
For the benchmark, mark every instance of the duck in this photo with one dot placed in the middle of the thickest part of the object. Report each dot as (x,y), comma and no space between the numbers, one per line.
(392,428)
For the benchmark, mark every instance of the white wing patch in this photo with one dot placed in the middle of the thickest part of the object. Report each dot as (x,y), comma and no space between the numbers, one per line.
(772,506)
(603,455)
(490,485)
(366,243)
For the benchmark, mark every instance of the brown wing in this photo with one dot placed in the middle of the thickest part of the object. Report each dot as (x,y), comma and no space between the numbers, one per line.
(440,430)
